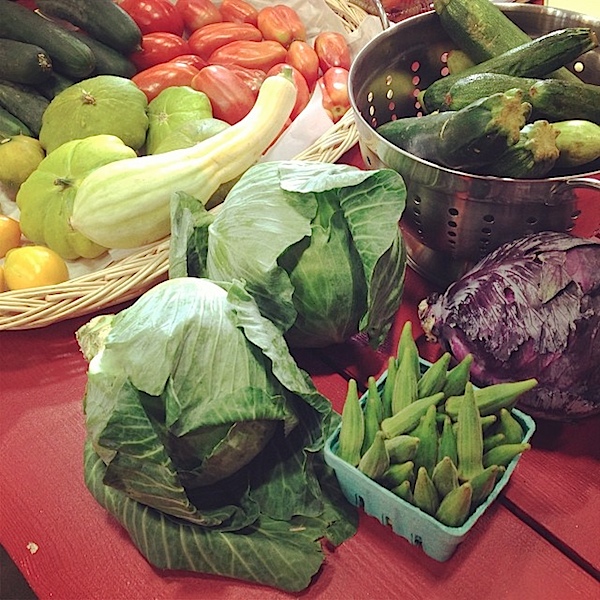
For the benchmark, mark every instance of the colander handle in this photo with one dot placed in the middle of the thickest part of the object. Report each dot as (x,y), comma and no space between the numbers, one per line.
(586,182)
(385,22)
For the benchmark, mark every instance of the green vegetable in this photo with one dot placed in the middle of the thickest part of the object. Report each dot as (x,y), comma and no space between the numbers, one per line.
(578,142)
(425,495)
(23,63)
(469,437)
(204,438)
(317,244)
(352,428)
(455,506)
(24,102)
(373,414)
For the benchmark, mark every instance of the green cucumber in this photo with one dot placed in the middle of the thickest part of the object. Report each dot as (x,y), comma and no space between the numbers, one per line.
(108,60)
(10,125)
(482,30)
(536,58)
(104,20)
(54,85)
(23,63)
(24,102)
(69,55)
(551,99)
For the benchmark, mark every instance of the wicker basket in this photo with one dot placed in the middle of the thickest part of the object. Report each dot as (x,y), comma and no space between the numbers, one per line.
(129,277)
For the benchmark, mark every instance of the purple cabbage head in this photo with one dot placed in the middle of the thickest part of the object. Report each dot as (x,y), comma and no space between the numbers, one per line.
(529,309)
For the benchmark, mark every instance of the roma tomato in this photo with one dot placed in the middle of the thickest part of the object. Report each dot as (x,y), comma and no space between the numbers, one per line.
(302,56)
(302,91)
(238,11)
(230,98)
(154,15)
(154,80)
(192,60)
(196,13)
(208,38)
(281,23)
(332,49)
(253,78)
(158,47)
(334,88)
(252,55)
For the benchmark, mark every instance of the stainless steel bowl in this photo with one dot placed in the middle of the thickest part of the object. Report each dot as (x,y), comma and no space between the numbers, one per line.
(453,219)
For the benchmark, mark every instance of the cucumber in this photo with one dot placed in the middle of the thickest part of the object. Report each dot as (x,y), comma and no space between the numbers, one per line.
(10,125)
(24,102)
(483,31)
(23,63)
(55,84)
(69,55)
(108,60)
(536,58)
(104,20)
(552,99)
(463,139)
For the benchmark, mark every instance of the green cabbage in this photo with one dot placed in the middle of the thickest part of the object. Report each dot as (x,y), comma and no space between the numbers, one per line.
(318,246)
(204,438)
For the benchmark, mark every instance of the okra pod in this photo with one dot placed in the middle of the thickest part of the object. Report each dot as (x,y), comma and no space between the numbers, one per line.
(352,428)
(495,439)
(402,448)
(469,437)
(405,383)
(503,454)
(455,507)
(457,377)
(407,344)
(510,427)
(388,388)
(426,431)
(433,379)
(445,476)
(447,441)
(483,483)
(397,473)
(424,493)
(372,414)
(375,461)
(408,417)
(404,491)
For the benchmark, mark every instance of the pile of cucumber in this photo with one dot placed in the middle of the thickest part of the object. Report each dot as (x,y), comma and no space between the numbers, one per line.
(557,124)
(429,436)
(46,50)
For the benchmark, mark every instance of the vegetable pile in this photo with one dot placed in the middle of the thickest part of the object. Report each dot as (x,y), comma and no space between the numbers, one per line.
(205,438)
(429,436)
(531,308)
(317,245)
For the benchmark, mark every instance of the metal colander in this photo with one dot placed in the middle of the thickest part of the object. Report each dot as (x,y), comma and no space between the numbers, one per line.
(453,219)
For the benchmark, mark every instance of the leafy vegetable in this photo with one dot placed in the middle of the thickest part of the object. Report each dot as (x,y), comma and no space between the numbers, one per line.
(317,245)
(205,438)
(529,309)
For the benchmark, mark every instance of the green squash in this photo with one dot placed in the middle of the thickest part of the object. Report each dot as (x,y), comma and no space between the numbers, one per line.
(105,104)
(190,133)
(45,199)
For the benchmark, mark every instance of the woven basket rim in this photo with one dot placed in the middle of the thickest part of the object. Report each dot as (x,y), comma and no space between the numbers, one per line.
(127,278)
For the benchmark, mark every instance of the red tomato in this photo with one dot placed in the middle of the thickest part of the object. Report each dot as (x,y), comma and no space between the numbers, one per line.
(205,40)
(281,23)
(154,15)
(154,80)
(253,78)
(302,56)
(252,55)
(158,47)
(190,59)
(332,49)
(238,11)
(230,97)
(334,88)
(196,13)
(302,91)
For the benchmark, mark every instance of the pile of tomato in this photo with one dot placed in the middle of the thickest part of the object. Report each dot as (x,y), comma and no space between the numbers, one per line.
(227,50)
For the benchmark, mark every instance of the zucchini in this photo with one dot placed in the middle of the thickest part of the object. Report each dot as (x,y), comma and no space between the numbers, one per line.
(23,63)
(536,58)
(483,31)
(463,139)
(578,142)
(54,85)
(108,60)
(551,99)
(25,103)
(10,125)
(69,55)
(104,20)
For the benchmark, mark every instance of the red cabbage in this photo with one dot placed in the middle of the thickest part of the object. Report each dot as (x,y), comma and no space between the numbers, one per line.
(529,309)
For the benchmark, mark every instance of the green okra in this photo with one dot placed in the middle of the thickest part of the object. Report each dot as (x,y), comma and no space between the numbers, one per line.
(494,439)
(407,344)
(402,447)
(433,379)
(455,507)
(388,388)
(457,377)
(373,414)
(404,491)
(375,461)
(469,437)
(405,383)
(407,418)
(397,473)
(502,455)
(425,495)
(510,427)
(483,483)
(427,432)
(352,428)
(492,398)
(447,441)
(445,476)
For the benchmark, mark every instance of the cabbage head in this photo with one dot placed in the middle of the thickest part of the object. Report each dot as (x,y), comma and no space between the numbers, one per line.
(204,437)
(317,245)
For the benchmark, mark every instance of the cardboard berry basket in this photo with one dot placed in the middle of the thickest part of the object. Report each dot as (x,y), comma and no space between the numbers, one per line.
(120,276)
(406,520)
